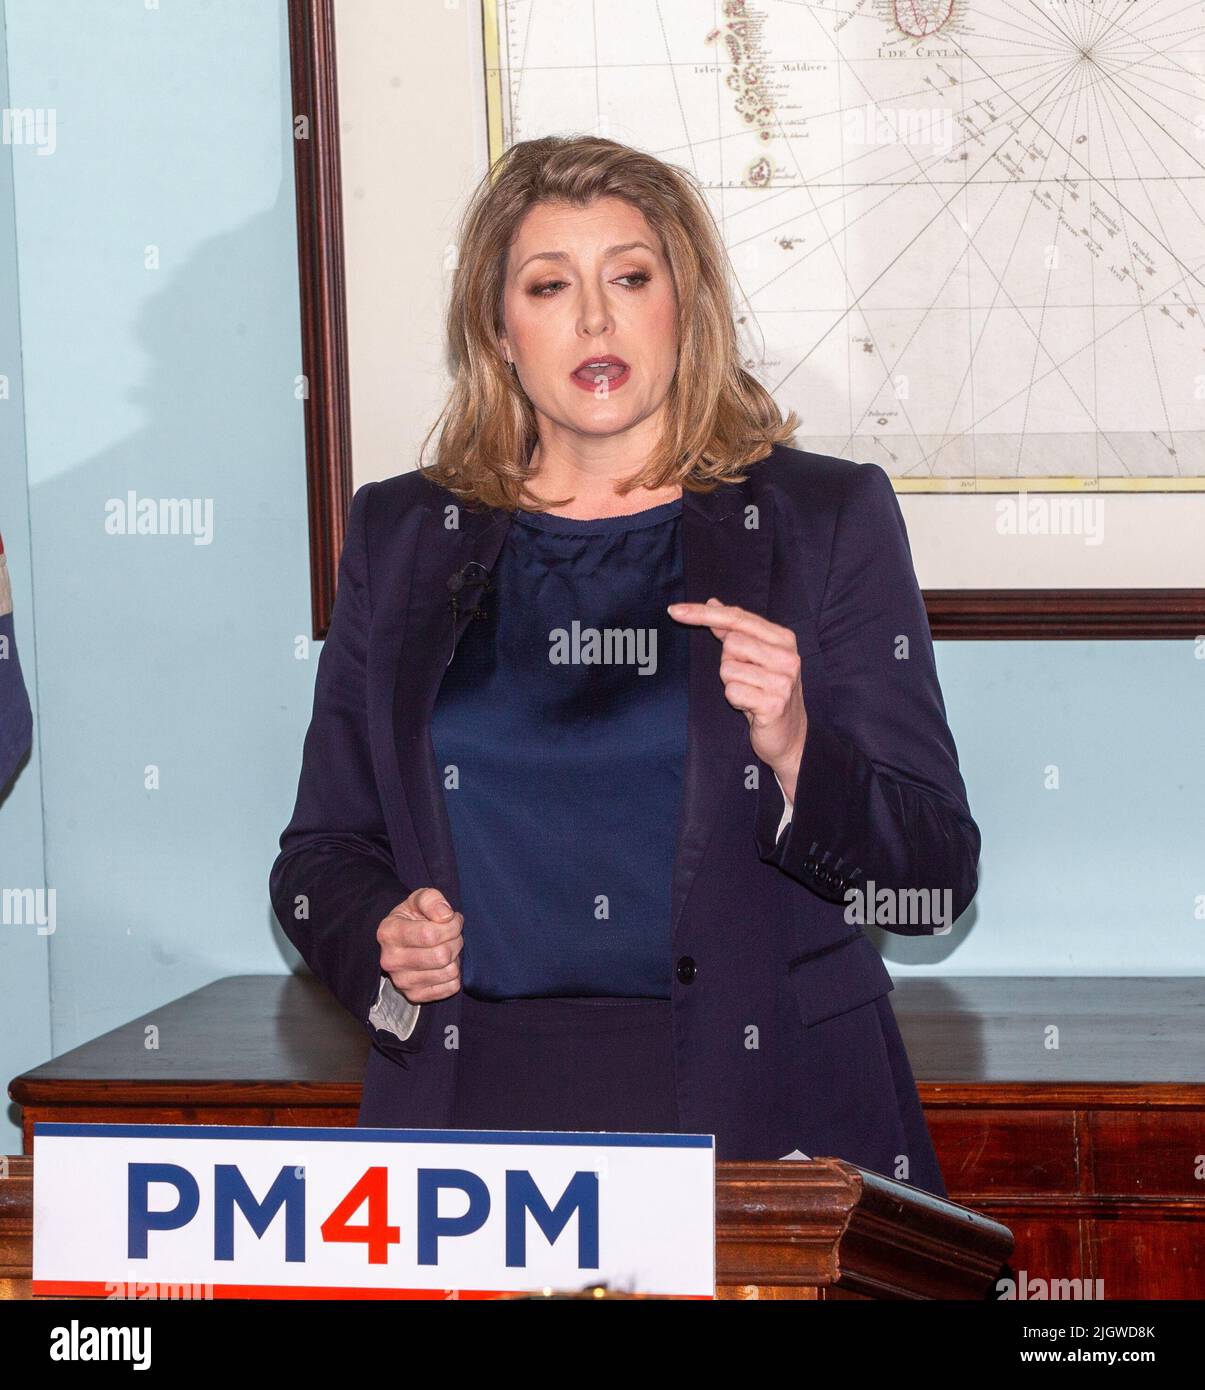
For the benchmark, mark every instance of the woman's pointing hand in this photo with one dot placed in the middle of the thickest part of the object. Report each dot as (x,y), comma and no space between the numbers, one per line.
(760,668)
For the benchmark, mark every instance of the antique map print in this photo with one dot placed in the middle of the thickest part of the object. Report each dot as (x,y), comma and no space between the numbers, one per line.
(968,236)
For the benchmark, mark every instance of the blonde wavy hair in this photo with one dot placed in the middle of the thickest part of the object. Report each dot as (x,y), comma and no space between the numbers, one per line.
(720,420)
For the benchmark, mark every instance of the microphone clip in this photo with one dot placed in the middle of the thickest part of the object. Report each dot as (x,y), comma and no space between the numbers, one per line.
(474,575)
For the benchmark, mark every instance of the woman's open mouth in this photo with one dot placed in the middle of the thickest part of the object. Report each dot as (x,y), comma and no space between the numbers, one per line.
(601,375)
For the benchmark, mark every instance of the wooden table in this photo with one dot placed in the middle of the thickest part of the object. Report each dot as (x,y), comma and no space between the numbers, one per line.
(1087,1150)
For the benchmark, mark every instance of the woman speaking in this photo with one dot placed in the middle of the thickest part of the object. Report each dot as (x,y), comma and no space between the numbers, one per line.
(627,721)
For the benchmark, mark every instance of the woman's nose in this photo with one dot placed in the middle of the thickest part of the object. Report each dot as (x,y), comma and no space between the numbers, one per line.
(594,313)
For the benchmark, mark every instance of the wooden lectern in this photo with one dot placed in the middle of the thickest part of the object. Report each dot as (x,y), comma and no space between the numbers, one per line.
(815,1228)
(1087,1152)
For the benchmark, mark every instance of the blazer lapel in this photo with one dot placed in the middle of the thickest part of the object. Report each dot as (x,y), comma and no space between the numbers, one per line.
(724,554)
(727,544)
(426,646)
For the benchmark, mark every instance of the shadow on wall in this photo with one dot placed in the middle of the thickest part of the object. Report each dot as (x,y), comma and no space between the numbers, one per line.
(172,698)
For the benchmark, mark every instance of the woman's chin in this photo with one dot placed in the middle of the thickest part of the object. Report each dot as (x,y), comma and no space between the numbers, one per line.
(605,417)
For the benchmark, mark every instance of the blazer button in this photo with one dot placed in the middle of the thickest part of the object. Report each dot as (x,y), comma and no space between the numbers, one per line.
(687,970)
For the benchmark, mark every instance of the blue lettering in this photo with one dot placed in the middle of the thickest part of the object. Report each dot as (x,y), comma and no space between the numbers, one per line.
(140,1219)
(230,1190)
(523,1196)
(431,1226)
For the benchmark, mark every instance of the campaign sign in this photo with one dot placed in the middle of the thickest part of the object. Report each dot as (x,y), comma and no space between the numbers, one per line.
(244,1211)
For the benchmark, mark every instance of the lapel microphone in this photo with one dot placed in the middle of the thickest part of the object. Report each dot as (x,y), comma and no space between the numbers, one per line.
(474,577)
(465,578)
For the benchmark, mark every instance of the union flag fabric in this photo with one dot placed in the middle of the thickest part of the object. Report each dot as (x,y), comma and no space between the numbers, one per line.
(6,589)
(16,718)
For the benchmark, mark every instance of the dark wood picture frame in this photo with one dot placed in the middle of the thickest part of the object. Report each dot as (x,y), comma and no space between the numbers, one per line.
(323,294)
(953,613)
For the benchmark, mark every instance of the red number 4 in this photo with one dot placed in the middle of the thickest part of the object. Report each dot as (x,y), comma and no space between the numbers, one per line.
(376,1233)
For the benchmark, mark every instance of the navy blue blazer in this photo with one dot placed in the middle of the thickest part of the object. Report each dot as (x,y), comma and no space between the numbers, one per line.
(785,1038)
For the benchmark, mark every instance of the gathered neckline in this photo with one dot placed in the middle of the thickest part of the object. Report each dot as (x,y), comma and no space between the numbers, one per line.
(599,525)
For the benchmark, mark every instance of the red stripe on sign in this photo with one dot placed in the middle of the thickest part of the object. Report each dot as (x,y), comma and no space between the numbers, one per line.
(87,1288)
(92,1288)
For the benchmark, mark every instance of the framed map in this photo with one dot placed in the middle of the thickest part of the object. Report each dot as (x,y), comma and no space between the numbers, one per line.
(968,244)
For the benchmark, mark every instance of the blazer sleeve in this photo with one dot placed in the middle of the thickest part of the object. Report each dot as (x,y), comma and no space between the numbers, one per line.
(880,797)
(334,878)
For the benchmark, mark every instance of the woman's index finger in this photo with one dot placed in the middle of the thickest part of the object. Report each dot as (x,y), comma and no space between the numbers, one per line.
(728,617)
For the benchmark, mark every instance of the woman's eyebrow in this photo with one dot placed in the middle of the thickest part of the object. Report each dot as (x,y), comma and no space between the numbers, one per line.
(564,255)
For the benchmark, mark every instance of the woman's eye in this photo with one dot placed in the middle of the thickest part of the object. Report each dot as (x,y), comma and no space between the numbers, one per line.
(546,288)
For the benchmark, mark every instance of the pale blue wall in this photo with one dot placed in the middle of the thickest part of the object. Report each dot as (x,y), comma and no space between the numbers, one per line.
(1102,876)
(173,130)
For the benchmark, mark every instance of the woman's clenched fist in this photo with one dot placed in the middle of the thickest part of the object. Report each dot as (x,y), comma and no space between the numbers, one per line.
(420,944)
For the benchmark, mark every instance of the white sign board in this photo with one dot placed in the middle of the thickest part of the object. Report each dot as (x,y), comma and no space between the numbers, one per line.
(249,1211)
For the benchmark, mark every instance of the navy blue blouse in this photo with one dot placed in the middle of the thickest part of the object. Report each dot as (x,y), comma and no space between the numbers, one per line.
(560,732)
